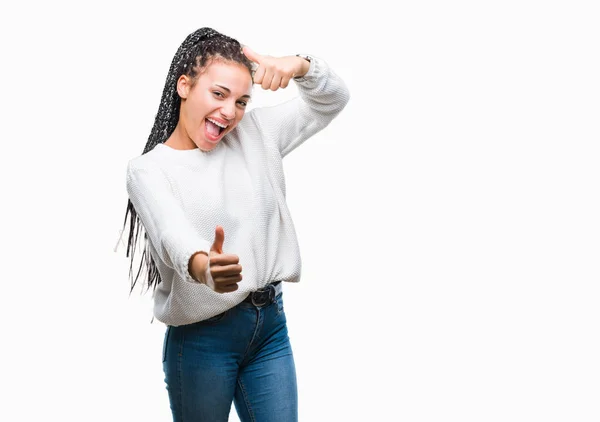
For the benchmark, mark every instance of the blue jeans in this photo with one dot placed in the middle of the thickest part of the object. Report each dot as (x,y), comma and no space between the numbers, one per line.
(242,355)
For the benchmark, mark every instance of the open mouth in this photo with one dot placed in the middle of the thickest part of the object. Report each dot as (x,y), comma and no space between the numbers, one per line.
(214,129)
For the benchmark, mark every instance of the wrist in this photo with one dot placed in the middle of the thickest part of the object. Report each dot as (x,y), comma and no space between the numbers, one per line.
(304,61)
(198,265)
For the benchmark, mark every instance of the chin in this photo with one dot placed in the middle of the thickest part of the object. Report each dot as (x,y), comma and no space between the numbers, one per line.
(207,146)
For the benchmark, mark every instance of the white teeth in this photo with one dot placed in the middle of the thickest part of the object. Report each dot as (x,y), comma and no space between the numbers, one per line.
(221,125)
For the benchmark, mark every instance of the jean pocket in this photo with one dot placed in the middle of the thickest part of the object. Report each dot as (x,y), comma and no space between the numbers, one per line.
(279,300)
(166,343)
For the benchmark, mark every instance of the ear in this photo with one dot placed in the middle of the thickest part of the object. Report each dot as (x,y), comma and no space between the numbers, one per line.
(184,84)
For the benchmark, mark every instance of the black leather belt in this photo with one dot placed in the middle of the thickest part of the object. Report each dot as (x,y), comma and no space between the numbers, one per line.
(263,296)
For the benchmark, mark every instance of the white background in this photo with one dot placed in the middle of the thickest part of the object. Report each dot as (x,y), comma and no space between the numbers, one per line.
(448,218)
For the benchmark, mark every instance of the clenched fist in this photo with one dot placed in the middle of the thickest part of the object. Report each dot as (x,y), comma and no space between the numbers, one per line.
(276,72)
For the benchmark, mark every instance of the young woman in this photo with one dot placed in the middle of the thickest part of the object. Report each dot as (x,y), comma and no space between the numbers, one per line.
(209,192)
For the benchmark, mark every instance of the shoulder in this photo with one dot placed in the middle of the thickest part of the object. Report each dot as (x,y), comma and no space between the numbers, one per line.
(147,171)
(248,122)
(152,160)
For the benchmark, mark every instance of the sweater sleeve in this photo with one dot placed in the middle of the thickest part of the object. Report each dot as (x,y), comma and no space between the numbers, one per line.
(169,230)
(323,95)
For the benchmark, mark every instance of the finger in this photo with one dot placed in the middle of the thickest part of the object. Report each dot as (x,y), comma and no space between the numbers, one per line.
(225,271)
(251,54)
(266,82)
(217,245)
(275,83)
(225,281)
(224,259)
(259,75)
(227,289)
(285,81)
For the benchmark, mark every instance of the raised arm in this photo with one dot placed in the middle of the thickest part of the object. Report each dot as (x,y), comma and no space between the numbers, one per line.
(323,95)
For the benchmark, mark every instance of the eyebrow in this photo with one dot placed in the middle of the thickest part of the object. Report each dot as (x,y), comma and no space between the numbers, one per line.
(229,91)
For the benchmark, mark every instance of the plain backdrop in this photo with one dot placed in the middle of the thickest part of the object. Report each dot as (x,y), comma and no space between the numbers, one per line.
(447,218)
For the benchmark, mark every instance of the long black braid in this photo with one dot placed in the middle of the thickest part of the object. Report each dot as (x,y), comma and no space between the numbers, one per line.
(190,59)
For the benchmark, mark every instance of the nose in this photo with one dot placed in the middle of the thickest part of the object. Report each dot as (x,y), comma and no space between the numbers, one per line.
(228,111)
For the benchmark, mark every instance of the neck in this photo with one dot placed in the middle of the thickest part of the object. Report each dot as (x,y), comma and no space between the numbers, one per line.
(179,139)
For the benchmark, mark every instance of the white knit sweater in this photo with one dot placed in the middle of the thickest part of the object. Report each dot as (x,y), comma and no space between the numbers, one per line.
(182,195)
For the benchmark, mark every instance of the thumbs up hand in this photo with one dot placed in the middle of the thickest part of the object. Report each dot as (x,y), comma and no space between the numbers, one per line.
(221,272)
(276,72)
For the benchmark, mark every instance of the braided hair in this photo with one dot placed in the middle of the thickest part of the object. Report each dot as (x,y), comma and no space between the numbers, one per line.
(192,56)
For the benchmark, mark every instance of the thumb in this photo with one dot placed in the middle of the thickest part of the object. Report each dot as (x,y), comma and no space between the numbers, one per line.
(217,245)
(255,57)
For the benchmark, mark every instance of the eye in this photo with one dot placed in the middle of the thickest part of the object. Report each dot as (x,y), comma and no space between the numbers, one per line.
(218,94)
(243,103)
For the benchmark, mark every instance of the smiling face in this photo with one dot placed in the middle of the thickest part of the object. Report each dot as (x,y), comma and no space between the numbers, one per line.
(212,104)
